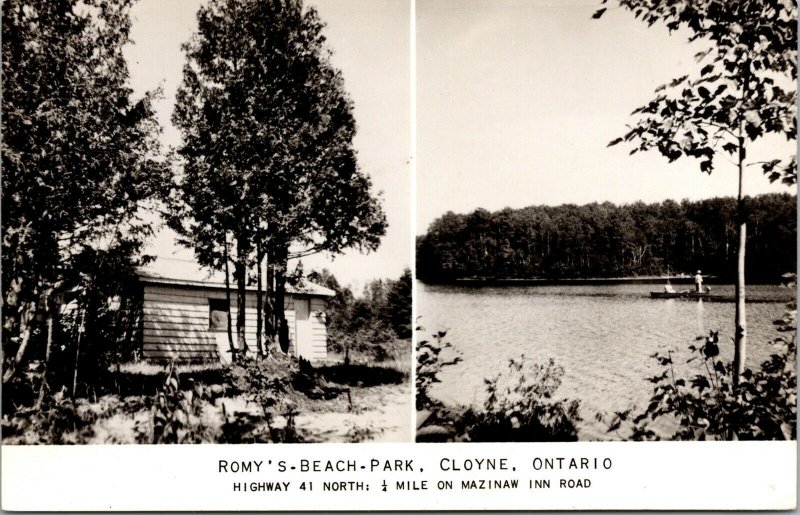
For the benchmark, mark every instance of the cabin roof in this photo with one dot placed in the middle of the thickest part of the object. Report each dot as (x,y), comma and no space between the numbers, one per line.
(186,272)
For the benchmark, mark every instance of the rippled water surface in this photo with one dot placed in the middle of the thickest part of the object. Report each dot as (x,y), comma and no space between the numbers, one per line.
(603,336)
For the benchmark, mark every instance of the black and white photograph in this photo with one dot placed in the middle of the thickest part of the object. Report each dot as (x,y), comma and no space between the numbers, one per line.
(206,218)
(482,255)
(606,220)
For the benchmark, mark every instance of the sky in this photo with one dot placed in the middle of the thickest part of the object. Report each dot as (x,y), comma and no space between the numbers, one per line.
(371,45)
(517,101)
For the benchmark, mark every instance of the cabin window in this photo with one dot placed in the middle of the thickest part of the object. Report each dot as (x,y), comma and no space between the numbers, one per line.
(218,314)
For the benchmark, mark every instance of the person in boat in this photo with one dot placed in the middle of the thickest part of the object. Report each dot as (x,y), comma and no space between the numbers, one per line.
(668,288)
(698,282)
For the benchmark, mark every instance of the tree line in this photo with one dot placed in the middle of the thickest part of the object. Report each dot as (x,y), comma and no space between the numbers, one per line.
(606,240)
(363,323)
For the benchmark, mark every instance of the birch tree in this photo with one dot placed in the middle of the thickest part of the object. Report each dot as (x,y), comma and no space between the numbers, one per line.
(743,90)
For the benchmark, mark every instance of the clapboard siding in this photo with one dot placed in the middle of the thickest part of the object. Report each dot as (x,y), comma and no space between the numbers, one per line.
(185,338)
(174,314)
(319,331)
(178,349)
(175,346)
(181,324)
(183,357)
(176,323)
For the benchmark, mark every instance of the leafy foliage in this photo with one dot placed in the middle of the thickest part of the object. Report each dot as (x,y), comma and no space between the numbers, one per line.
(251,401)
(742,92)
(430,362)
(270,391)
(80,156)
(520,407)
(357,434)
(707,406)
(61,420)
(184,413)
(604,240)
(365,325)
(267,152)
(176,413)
(398,305)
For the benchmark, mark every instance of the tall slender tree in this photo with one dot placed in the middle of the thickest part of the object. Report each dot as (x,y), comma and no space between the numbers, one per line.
(744,90)
(268,140)
(79,154)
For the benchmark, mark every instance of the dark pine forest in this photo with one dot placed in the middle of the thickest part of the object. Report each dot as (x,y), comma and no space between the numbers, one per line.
(606,240)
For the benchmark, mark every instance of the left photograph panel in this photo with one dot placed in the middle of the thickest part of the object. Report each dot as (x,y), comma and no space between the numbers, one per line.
(205,221)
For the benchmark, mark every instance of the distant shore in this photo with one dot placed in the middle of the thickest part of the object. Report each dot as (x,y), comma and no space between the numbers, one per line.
(649,279)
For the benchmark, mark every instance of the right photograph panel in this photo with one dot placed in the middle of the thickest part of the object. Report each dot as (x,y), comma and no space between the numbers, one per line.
(606,220)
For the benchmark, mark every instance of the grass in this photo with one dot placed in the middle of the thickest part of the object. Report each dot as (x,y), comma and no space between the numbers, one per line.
(397,356)
(144,378)
(146,368)
(363,369)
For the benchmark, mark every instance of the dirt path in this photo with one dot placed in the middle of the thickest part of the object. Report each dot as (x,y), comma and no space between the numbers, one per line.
(380,414)
(375,414)
(369,414)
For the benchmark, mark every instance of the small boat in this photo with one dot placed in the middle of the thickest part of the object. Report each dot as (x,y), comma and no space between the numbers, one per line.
(688,294)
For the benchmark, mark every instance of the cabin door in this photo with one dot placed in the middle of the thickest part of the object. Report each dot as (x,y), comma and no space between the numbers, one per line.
(302,328)
(218,326)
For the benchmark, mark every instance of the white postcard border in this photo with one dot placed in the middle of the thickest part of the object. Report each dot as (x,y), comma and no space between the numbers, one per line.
(621,475)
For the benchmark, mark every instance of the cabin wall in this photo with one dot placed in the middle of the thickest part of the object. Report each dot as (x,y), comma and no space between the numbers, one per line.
(318,348)
(176,324)
(319,331)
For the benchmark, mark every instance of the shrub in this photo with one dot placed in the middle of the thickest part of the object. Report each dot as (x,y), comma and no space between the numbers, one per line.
(520,407)
(430,363)
(61,420)
(269,385)
(707,406)
(519,403)
(398,305)
(369,342)
(178,414)
(360,328)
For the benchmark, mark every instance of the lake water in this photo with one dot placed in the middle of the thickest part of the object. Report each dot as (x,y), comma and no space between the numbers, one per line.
(603,336)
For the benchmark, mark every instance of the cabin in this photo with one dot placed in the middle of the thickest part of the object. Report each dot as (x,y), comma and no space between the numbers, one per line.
(184,315)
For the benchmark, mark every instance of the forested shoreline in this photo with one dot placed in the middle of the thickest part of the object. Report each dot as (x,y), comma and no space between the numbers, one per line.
(605,240)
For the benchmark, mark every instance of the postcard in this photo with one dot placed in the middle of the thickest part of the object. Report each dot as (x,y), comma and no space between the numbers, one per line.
(483,255)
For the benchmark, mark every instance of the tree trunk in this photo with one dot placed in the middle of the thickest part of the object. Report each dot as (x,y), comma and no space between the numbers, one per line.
(228,298)
(52,310)
(270,324)
(81,330)
(240,271)
(25,332)
(281,258)
(740,339)
(11,303)
(259,300)
(87,359)
(740,336)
